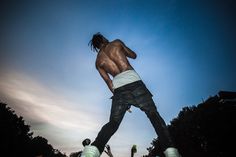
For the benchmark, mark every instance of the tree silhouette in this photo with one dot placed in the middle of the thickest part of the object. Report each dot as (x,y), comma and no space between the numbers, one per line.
(75,154)
(17,140)
(40,146)
(15,135)
(207,129)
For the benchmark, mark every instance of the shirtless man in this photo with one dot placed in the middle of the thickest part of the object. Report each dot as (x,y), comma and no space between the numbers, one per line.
(128,89)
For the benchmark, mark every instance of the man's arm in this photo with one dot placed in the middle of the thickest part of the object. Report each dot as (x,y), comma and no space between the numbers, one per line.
(106,78)
(128,52)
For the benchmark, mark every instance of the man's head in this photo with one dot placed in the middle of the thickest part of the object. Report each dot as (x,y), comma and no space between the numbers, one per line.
(97,41)
(86,142)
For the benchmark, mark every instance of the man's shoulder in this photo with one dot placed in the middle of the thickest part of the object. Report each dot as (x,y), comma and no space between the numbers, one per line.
(116,41)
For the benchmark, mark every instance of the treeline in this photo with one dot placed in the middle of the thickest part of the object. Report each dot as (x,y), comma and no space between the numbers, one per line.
(16,138)
(205,130)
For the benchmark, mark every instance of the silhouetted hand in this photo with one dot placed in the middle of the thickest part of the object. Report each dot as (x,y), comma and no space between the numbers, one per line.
(108,151)
(133,150)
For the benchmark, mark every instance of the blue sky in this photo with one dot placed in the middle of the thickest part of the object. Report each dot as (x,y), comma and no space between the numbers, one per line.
(186,52)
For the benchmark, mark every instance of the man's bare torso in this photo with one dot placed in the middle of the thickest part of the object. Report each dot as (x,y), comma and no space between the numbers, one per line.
(112,59)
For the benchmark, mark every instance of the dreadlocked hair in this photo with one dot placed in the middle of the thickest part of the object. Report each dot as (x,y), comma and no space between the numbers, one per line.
(96,42)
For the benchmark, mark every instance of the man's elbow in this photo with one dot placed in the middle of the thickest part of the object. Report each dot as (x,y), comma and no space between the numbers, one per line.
(133,56)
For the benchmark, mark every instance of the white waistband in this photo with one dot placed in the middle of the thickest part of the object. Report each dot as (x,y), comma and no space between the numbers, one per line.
(124,78)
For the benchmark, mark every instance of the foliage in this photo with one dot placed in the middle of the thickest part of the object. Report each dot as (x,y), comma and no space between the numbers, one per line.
(17,140)
(207,129)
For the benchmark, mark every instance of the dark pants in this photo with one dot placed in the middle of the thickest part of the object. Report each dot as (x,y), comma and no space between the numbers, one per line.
(138,95)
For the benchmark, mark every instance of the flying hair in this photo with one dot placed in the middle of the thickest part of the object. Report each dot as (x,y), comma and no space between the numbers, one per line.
(96,42)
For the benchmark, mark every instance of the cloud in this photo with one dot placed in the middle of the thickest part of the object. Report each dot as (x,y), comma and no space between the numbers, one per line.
(47,111)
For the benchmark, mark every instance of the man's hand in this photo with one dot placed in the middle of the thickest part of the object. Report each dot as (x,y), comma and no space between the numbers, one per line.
(108,151)
(133,150)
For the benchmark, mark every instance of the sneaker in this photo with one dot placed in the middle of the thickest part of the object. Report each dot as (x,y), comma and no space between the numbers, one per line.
(90,151)
(171,152)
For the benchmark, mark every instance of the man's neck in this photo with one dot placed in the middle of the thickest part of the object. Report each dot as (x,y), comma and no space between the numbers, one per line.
(104,45)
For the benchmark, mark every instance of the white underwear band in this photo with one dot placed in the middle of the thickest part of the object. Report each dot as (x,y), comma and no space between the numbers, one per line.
(125,78)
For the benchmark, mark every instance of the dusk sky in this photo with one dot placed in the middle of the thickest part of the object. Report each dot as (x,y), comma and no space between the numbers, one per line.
(186,52)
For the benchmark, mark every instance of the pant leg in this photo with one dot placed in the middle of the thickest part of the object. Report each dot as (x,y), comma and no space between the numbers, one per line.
(159,125)
(118,110)
(144,101)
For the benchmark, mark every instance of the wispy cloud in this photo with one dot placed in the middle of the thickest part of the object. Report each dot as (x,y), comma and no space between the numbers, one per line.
(45,109)
(44,103)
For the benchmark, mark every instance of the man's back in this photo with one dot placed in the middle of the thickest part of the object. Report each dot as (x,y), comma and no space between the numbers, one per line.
(112,58)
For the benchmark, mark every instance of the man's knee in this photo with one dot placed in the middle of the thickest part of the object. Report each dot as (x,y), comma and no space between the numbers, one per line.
(117,116)
(116,120)
(152,112)
(114,125)
(148,107)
